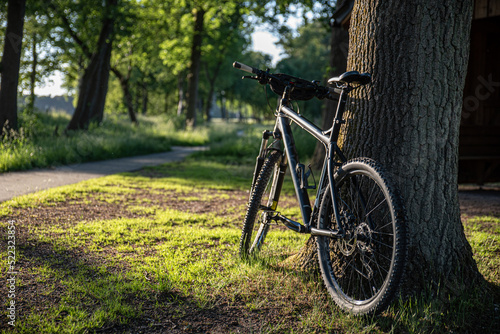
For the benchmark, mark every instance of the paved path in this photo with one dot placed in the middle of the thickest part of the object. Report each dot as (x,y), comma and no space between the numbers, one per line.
(14,184)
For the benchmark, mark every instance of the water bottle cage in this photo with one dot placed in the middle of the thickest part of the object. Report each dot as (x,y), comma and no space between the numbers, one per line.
(304,176)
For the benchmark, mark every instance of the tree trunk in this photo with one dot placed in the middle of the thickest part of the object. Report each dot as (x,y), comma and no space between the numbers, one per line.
(34,64)
(339,42)
(408,119)
(211,82)
(208,105)
(166,103)
(194,69)
(145,96)
(11,61)
(127,94)
(94,85)
(180,90)
(223,107)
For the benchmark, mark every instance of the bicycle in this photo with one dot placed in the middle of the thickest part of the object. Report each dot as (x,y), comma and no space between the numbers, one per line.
(357,218)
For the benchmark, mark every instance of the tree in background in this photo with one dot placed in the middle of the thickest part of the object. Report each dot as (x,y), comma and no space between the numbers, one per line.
(10,64)
(41,56)
(339,42)
(226,37)
(79,21)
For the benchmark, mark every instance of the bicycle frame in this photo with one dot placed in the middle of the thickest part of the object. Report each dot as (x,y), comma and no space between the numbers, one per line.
(282,131)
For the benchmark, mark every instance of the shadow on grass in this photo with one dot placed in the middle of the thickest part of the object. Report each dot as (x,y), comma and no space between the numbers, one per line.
(74,290)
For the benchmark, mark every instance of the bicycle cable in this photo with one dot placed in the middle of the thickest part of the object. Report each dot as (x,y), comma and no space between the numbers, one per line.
(267,99)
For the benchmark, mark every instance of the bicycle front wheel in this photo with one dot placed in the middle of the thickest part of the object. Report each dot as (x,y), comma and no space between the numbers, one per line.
(363,270)
(261,206)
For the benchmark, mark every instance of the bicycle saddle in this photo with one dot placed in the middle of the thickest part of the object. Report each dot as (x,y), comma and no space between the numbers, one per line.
(352,77)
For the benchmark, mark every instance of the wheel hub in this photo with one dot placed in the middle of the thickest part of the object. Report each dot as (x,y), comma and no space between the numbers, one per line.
(363,235)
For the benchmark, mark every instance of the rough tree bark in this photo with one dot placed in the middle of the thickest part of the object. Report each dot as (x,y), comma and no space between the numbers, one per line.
(94,85)
(408,119)
(11,61)
(194,69)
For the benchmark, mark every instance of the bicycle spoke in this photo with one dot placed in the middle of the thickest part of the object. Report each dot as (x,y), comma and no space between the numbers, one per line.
(375,208)
(362,263)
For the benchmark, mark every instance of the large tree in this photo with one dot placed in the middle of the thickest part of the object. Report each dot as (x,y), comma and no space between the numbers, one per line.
(417,52)
(10,64)
(94,83)
(408,119)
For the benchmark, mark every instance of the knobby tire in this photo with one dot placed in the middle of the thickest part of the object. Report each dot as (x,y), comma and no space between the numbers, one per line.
(363,270)
(257,219)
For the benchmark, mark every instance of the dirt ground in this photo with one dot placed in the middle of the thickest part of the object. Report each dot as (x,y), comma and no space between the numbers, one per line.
(476,201)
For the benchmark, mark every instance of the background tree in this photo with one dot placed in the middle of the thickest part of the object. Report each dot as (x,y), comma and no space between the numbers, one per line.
(80,21)
(226,37)
(408,119)
(339,43)
(10,64)
(41,56)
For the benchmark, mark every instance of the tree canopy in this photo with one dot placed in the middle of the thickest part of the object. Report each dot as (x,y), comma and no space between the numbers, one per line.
(160,59)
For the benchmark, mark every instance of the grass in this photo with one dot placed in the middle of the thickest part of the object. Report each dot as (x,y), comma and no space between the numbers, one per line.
(156,251)
(41,141)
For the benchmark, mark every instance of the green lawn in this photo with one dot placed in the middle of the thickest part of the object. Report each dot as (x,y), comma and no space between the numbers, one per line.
(156,248)
(156,251)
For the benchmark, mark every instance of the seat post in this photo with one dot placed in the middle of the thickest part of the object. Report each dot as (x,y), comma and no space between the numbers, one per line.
(338,119)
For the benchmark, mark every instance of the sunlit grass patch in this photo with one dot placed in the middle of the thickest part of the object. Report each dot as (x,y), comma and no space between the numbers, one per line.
(483,234)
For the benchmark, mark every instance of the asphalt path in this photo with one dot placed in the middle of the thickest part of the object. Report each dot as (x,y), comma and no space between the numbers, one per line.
(14,184)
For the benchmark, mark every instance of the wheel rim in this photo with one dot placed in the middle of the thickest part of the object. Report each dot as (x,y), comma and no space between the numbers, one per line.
(362,262)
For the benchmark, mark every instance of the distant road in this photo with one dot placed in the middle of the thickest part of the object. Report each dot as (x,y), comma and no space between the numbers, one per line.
(14,184)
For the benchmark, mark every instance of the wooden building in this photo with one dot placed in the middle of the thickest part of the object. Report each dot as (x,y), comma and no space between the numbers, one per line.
(479,150)
(479,145)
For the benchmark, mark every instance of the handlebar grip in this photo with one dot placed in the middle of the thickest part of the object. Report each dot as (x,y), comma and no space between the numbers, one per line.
(244,67)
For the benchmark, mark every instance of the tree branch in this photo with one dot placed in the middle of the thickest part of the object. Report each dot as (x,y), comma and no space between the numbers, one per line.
(71,32)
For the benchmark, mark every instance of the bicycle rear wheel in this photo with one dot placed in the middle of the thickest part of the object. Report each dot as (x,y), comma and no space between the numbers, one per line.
(260,206)
(363,270)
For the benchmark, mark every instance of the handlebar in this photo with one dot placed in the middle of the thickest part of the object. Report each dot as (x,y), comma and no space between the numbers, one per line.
(300,89)
(244,67)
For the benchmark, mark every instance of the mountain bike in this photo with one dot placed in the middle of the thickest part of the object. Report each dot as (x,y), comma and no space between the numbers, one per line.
(357,217)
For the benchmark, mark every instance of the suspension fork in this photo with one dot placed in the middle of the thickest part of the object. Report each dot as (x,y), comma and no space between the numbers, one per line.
(261,157)
(276,187)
